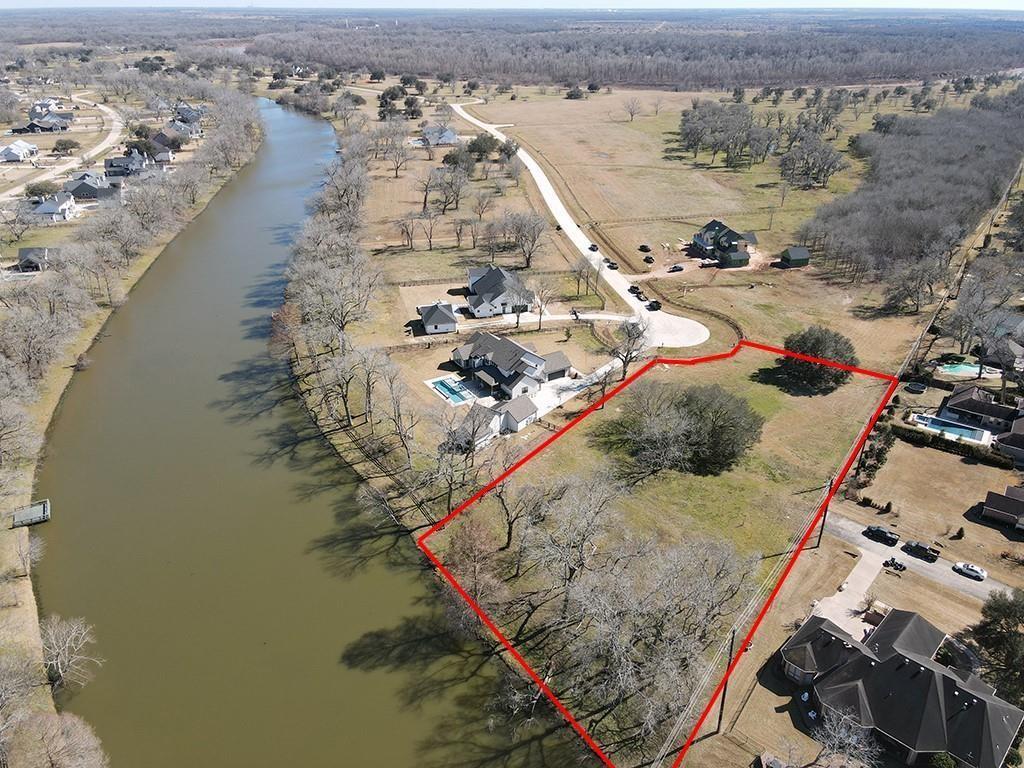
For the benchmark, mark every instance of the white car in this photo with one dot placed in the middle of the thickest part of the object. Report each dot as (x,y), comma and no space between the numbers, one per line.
(971,571)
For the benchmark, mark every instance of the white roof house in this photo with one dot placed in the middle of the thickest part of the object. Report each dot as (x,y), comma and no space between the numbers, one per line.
(18,151)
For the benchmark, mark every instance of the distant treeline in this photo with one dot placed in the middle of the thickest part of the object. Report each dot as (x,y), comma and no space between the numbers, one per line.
(673,49)
(930,181)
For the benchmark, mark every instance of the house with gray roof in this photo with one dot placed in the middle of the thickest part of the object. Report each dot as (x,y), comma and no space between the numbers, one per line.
(483,423)
(438,317)
(507,367)
(728,247)
(891,685)
(439,136)
(1006,508)
(59,207)
(36,259)
(977,407)
(496,291)
(91,186)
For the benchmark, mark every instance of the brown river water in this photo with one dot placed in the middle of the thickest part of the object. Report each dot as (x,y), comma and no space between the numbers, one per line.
(245,616)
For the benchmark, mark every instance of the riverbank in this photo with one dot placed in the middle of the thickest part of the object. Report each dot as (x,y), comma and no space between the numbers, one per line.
(20,630)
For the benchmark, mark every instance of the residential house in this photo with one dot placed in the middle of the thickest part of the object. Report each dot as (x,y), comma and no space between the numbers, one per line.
(496,291)
(164,155)
(36,259)
(1007,508)
(483,423)
(1011,442)
(971,405)
(186,113)
(795,256)
(128,165)
(438,317)
(505,366)
(891,685)
(191,130)
(18,151)
(725,245)
(91,186)
(171,138)
(50,123)
(47,107)
(439,136)
(59,207)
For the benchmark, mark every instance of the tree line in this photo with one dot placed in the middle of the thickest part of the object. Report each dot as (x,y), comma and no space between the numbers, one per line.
(930,180)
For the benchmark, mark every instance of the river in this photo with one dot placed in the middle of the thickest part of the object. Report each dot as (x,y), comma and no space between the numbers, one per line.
(204,530)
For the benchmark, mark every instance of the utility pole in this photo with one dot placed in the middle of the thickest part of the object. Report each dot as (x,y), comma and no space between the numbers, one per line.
(824,515)
(725,685)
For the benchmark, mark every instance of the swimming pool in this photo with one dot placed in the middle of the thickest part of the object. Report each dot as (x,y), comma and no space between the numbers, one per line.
(950,430)
(452,389)
(968,369)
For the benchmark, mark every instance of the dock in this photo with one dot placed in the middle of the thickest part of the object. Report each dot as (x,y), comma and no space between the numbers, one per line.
(39,512)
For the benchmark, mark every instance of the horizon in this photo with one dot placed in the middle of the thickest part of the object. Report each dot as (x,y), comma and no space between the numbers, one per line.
(585,6)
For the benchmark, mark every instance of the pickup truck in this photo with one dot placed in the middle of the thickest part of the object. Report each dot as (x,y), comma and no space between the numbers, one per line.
(921,550)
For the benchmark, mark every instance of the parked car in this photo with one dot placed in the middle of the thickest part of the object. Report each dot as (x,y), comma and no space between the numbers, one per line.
(654,306)
(634,289)
(676,268)
(705,263)
(645,248)
(921,550)
(612,265)
(971,571)
(916,387)
(593,247)
(648,259)
(883,535)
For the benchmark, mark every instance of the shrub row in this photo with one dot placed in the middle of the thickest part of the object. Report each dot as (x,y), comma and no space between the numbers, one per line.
(980,453)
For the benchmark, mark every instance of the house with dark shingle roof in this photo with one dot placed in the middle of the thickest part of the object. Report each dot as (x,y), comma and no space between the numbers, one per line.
(972,405)
(728,247)
(1006,508)
(36,259)
(438,317)
(496,291)
(484,423)
(503,365)
(891,684)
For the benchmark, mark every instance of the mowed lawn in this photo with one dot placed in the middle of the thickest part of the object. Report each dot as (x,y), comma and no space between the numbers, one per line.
(760,504)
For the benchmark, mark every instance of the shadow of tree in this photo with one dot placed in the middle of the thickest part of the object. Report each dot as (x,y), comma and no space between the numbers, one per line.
(773,376)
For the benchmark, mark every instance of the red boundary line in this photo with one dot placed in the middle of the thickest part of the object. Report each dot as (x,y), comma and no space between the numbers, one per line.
(421,542)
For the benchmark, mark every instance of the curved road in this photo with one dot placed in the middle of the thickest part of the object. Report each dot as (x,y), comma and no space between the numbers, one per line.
(663,329)
(112,138)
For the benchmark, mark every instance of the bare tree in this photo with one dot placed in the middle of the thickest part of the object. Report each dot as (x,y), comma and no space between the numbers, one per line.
(657,105)
(631,344)
(482,202)
(398,155)
(407,228)
(845,743)
(527,230)
(30,550)
(514,169)
(69,742)
(428,221)
(544,292)
(631,107)
(66,655)
(17,221)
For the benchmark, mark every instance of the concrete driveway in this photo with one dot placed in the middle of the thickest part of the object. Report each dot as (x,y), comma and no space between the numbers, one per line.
(663,329)
(940,571)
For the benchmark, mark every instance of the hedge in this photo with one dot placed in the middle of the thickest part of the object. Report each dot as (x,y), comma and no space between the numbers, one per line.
(978,452)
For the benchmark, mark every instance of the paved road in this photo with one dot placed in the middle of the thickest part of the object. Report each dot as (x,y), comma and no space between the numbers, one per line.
(940,571)
(663,329)
(112,138)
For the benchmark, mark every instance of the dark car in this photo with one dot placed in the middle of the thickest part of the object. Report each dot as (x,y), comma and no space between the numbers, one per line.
(648,259)
(634,289)
(921,550)
(645,248)
(916,387)
(883,535)
(654,306)
(593,247)
(612,265)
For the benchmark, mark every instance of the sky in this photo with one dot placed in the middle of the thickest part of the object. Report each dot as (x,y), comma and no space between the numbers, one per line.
(976,5)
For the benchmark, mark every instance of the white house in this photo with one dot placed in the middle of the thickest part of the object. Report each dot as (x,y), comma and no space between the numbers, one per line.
(438,317)
(483,423)
(496,291)
(18,151)
(501,364)
(60,207)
